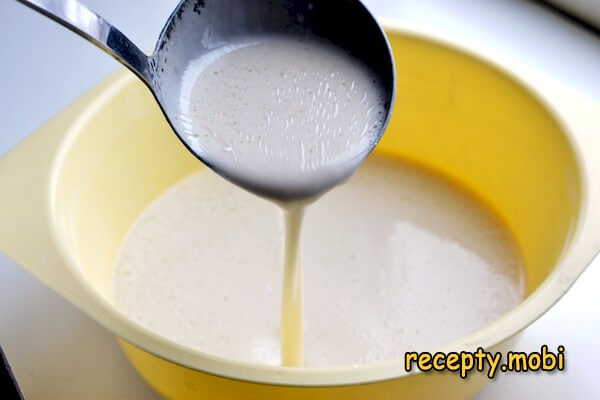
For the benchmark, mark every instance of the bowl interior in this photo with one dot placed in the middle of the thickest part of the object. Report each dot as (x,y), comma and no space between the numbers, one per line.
(454,114)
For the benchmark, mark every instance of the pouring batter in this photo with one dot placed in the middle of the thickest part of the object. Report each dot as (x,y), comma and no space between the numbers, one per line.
(290,117)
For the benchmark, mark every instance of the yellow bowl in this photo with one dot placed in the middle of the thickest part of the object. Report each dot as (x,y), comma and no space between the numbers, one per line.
(522,143)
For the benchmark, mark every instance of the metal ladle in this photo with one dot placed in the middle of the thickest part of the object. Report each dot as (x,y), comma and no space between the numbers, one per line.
(199,26)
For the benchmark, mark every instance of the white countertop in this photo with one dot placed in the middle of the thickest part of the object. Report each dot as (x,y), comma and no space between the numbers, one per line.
(59,353)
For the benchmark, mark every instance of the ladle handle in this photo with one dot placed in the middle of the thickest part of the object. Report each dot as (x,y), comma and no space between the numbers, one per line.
(89,25)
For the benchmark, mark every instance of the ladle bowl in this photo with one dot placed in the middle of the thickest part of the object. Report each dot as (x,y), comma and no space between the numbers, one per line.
(198,27)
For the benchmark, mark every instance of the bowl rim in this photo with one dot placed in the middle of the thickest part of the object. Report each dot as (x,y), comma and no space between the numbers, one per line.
(565,273)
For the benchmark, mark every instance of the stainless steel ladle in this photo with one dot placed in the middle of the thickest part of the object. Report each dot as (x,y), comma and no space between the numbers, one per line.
(198,26)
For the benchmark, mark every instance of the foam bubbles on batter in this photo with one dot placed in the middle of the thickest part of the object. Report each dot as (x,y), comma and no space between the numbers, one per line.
(282,116)
(395,260)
